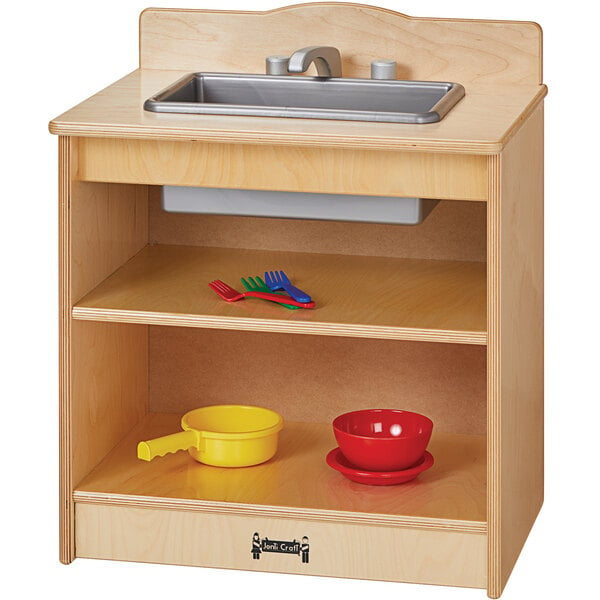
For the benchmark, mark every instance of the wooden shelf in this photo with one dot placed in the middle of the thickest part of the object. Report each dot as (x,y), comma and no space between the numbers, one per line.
(356,296)
(297,483)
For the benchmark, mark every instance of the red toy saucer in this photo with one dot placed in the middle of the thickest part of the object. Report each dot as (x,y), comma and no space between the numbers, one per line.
(336,460)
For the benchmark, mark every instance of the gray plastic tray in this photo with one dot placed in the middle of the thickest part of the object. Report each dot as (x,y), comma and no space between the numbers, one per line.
(296,205)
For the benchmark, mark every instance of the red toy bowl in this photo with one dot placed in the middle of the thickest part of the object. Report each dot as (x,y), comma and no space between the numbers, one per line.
(382,439)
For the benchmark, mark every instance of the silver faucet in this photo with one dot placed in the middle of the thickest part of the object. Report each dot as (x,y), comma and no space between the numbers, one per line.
(327,59)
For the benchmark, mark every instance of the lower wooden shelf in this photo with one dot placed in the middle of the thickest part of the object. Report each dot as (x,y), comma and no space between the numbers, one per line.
(296,484)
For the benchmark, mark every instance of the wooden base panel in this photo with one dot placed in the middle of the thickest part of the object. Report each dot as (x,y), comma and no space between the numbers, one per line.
(335,549)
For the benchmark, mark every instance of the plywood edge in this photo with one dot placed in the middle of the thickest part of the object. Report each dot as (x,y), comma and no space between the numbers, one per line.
(300,5)
(66,507)
(521,331)
(87,497)
(507,570)
(536,101)
(54,125)
(371,7)
(515,352)
(493,377)
(60,127)
(275,326)
(106,130)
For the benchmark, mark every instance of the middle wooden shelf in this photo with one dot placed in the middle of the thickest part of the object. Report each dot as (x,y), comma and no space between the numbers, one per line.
(356,296)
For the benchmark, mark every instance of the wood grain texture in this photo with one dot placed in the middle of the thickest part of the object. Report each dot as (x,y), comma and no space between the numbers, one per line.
(336,549)
(332,375)
(481,123)
(109,388)
(516,398)
(355,296)
(110,225)
(101,226)
(453,231)
(463,522)
(322,170)
(504,52)
(66,507)
(297,483)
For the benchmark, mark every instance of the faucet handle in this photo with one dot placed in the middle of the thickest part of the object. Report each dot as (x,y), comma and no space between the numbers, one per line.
(327,59)
(383,69)
(277,64)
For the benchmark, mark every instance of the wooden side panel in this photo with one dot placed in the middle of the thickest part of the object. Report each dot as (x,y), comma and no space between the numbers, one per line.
(189,368)
(102,370)
(335,549)
(110,225)
(284,168)
(109,388)
(516,348)
(453,231)
(436,49)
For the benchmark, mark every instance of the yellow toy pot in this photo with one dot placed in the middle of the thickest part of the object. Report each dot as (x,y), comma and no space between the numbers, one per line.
(221,436)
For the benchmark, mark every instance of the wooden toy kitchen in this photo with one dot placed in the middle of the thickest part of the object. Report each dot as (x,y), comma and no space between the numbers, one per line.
(442,316)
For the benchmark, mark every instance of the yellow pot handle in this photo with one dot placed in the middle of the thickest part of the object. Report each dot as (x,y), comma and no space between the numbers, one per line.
(183,440)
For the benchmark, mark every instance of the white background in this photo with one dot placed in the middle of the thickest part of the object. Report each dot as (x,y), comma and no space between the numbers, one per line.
(56,53)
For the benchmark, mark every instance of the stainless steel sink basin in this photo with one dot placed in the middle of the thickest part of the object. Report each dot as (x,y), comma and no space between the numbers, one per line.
(389,101)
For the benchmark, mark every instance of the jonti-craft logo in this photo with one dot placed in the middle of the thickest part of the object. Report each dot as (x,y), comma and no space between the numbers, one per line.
(260,545)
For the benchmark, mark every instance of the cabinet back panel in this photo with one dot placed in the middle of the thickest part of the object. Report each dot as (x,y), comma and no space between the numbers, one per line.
(455,230)
(315,378)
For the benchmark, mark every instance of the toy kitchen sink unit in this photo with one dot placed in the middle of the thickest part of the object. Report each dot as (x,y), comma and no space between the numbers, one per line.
(378,178)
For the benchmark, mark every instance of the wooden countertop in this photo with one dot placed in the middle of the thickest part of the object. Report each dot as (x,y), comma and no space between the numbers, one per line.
(481,123)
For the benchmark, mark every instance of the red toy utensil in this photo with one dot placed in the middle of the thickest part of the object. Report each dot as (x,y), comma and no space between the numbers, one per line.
(230,295)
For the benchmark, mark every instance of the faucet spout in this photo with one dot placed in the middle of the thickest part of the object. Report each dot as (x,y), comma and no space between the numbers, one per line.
(327,59)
